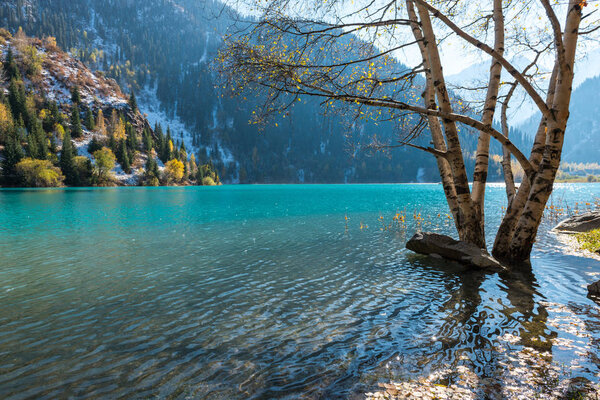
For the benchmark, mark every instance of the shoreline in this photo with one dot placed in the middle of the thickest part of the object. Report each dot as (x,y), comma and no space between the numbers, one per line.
(489,184)
(572,246)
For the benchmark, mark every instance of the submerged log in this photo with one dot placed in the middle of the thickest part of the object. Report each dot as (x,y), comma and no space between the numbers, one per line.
(580,223)
(446,247)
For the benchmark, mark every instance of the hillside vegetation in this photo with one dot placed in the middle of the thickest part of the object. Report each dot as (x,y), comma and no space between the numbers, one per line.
(62,124)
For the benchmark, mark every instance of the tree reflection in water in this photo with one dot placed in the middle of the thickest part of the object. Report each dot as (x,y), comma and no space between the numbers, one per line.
(496,341)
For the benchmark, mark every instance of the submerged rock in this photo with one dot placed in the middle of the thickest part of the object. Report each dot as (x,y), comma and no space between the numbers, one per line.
(580,223)
(450,249)
(594,288)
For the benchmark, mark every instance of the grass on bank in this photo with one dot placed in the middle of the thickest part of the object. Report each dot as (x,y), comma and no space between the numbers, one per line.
(565,177)
(590,240)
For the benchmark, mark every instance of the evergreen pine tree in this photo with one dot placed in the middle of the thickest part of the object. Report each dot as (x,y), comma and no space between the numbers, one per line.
(94,145)
(151,172)
(89,119)
(112,143)
(67,161)
(37,146)
(124,157)
(151,167)
(56,116)
(167,147)
(13,153)
(200,174)
(52,148)
(33,149)
(133,102)
(85,172)
(48,122)
(159,138)
(20,131)
(16,99)
(75,96)
(157,129)
(147,141)
(131,137)
(182,152)
(76,130)
(163,152)
(12,71)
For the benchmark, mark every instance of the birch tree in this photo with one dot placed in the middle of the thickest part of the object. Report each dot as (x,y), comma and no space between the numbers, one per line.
(346,54)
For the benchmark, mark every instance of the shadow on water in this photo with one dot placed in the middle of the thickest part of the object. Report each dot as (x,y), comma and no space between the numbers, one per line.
(491,324)
(495,326)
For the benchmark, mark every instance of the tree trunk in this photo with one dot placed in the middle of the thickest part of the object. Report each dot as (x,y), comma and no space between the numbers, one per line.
(435,127)
(501,249)
(509,179)
(483,143)
(470,227)
(541,187)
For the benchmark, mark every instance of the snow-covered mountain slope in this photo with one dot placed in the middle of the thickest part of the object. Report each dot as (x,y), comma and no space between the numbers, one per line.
(60,74)
(523,113)
(582,139)
(477,76)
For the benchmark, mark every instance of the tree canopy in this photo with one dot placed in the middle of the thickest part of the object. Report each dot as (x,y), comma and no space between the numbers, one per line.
(345,54)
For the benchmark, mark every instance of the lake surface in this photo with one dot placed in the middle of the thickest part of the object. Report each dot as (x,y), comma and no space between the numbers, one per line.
(268,292)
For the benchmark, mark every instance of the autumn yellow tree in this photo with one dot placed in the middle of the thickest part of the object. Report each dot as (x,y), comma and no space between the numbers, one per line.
(193,167)
(50,43)
(173,172)
(343,53)
(105,161)
(59,130)
(39,173)
(6,122)
(117,126)
(100,124)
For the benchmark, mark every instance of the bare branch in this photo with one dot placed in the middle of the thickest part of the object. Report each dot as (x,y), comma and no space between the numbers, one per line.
(557,32)
(487,49)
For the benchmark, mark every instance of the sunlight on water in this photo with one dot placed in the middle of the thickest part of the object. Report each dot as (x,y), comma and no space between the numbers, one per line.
(268,292)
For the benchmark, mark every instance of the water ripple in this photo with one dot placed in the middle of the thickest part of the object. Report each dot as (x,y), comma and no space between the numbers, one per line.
(260,292)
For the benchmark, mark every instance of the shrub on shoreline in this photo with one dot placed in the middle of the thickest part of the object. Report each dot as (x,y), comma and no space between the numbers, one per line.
(590,240)
(39,173)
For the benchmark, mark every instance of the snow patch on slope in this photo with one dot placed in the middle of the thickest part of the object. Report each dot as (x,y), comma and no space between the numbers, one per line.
(81,145)
(477,76)
(149,106)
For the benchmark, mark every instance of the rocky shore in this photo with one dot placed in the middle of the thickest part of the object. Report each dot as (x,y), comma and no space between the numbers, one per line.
(583,234)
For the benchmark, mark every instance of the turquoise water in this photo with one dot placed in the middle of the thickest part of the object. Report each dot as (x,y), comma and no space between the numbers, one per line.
(267,292)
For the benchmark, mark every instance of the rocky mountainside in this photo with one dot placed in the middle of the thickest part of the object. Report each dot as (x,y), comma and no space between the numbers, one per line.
(55,114)
(583,131)
(164,50)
